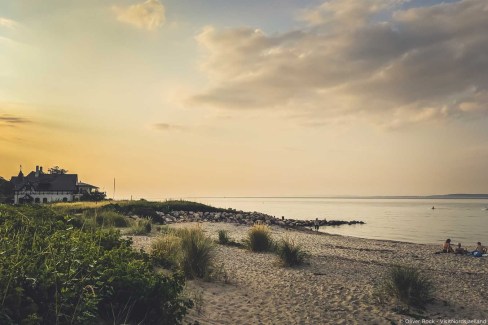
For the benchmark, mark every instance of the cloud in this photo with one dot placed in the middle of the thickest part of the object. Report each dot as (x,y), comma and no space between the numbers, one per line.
(416,65)
(149,15)
(9,23)
(351,13)
(167,127)
(10,120)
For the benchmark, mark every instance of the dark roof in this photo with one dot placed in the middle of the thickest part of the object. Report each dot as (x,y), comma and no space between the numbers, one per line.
(46,182)
(86,185)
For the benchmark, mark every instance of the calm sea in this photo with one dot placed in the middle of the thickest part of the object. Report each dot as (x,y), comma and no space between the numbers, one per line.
(410,220)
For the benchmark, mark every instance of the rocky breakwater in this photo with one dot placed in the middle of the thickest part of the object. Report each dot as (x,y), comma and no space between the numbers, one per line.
(245,218)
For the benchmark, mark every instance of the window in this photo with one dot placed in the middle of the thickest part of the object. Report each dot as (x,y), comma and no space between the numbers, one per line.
(44,200)
(37,200)
(65,199)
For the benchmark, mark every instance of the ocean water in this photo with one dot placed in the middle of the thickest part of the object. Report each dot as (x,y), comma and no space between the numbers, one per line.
(408,220)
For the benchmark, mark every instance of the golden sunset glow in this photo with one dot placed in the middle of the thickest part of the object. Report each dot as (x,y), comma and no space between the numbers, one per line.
(230,99)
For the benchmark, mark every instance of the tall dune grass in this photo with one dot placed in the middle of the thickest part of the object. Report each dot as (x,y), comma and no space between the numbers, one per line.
(290,253)
(224,237)
(112,219)
(198,252)
(140,227)
(407,285)
(259,238)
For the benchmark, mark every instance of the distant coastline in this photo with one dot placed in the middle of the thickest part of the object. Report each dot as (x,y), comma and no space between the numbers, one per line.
(393,197)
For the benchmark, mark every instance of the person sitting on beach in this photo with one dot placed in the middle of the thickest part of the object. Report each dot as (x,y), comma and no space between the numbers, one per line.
(459,249)
(480,248)
(446,248)
(316,224)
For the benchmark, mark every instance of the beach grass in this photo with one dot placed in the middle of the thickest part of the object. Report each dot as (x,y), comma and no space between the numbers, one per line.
(407,285)
(290,253)
(167,251)
(198,252)
(112,219)
(259,238)
(224,237)
(140,227)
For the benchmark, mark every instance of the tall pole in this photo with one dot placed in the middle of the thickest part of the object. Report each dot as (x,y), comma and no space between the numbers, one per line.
(114,189)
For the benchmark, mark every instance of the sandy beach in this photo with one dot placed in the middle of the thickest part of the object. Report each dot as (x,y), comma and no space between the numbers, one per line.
(335,286)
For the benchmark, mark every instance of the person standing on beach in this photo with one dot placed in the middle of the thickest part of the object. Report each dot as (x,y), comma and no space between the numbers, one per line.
(316,224)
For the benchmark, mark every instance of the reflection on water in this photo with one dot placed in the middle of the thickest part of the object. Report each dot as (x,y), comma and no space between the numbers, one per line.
(411,220)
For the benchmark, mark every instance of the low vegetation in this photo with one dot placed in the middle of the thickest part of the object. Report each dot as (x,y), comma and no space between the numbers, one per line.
(406,285)
(152,210)
(198,252)
(141,208)
(224,237)
(71,208)
(188,249)
(259,238)
(53,271)
(112,219)
(290,253)
(140,227)
(166,250)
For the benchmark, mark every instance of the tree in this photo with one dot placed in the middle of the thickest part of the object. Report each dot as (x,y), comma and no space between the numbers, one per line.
(57,170)
(6,191)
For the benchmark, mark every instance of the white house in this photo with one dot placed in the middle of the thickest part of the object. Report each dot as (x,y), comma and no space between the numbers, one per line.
(38,187)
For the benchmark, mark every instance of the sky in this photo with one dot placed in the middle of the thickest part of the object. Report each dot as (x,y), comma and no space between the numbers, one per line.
(248,98)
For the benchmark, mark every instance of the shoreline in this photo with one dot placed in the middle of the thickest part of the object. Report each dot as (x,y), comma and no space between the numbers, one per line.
(336,285)
(386,240)
(248,218)
(401,220)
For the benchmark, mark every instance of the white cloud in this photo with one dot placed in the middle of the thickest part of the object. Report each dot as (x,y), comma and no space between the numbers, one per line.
(9,23)
(149,15)
(422,64)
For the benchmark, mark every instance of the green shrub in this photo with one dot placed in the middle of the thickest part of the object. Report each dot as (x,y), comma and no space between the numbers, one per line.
(167,251)
(138,295)
(198,253)
(224,237)
(290,253)
(52,272)
(407,285)
(112,219)
(259,238)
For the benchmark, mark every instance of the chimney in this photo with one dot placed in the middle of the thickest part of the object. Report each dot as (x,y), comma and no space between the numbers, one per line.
(40,170)
(37,171)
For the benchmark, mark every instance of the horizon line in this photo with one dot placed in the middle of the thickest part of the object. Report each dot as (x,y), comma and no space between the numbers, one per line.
(434,196)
